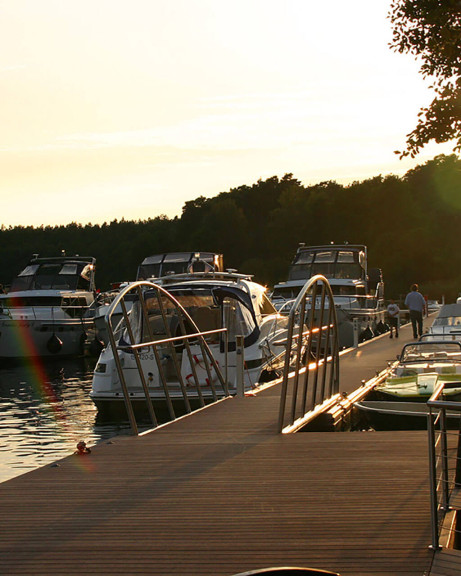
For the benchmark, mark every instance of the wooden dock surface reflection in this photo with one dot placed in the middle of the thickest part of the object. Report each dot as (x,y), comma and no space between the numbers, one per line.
(220,492)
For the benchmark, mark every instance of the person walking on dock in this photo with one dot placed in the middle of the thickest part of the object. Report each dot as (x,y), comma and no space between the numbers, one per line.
(393,313)
(416,303)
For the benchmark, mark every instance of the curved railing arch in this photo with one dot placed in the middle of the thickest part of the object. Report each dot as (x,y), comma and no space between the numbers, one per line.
(187,330)
(311,370)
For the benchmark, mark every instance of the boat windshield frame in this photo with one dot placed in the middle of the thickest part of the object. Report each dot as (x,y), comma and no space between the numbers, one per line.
(431,351)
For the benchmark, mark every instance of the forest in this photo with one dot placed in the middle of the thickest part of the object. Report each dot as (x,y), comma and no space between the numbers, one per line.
(409,223)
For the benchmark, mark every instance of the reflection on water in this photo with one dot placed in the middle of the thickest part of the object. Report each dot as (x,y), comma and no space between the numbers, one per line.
(45,409)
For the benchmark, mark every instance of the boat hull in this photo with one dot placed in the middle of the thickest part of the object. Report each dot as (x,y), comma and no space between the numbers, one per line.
(385,415)
(42,338)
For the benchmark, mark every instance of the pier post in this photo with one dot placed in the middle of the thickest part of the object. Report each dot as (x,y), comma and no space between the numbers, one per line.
(239,365)
(355,323)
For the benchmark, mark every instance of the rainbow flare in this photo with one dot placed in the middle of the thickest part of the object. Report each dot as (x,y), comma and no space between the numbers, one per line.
(39,380)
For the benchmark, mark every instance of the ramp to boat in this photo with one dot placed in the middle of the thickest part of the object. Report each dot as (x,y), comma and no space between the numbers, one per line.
(220,492)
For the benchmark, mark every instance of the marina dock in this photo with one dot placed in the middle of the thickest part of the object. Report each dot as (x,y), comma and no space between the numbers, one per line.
(221,492)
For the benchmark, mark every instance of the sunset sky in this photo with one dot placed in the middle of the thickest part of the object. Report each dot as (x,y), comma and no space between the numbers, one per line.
(129,108)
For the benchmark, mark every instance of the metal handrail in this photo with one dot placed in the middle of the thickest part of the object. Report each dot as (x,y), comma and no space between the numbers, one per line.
(313,342)
(444,474)
(209,361)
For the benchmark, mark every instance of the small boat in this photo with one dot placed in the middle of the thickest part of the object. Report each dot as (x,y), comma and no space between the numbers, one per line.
(204,301)
(48,310)
(399,403)
(421,366)
(358,291)
(387,415)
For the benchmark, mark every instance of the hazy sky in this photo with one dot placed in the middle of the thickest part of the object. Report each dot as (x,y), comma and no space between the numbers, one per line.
(129,108)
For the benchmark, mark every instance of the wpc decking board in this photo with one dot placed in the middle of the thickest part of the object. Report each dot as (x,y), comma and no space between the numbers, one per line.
(220,492)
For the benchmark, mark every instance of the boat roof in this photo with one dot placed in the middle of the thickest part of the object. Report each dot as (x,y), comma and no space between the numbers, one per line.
(209,279)
(335,247)
(179,257)
(331,281)
(60,259)
(229,276)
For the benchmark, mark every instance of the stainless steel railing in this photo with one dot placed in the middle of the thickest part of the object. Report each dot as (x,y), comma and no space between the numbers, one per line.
(188,331)
(444,436)
(311,369)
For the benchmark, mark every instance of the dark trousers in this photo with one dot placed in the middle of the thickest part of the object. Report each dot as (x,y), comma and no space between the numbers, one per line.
(416,318)
(393,324)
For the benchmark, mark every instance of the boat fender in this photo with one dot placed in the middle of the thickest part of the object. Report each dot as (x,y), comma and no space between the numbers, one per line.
(381,327)
(367,334)
(54,344)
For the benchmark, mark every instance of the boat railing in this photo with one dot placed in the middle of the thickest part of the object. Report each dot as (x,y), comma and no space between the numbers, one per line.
(311,368)
(188,332)
(444,440)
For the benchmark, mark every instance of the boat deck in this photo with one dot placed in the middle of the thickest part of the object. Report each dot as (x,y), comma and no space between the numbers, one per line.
(221,492)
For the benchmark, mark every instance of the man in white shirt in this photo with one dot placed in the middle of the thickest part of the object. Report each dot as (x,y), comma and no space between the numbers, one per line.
(416,303)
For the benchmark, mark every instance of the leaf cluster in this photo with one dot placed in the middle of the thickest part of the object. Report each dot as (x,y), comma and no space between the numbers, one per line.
(431,31)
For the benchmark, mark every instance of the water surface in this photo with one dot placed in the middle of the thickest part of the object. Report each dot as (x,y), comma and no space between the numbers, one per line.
(45,410)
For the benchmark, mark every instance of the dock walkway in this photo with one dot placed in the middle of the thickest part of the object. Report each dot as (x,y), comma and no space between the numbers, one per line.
(221,492)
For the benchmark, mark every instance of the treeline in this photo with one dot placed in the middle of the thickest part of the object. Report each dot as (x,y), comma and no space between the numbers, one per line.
(410,225)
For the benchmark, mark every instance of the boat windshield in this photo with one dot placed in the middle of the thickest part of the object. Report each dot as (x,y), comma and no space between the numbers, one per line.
(160,265)
(330,263)
(208,310)
(53,276)
(431,352)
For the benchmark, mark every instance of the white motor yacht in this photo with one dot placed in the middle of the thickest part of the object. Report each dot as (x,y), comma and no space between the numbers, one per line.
(185,304)
(48,309)
(357,291)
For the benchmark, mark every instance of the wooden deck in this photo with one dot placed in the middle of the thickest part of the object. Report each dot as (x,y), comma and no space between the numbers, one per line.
(220,492)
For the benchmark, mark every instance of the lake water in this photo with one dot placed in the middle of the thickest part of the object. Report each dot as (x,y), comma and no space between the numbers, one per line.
(45,410)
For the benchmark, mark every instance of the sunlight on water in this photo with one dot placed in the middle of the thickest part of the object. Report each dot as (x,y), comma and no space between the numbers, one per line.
(44,413)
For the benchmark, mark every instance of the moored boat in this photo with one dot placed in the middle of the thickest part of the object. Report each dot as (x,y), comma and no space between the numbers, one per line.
(421,366)
(48,309)
(188,304)
(358,292)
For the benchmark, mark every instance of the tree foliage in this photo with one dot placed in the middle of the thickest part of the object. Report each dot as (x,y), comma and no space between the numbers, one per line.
(410,225)
(431,31)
